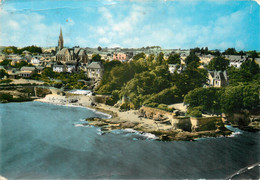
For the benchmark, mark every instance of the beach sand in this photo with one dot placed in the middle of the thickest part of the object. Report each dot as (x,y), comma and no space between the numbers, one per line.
(130,116)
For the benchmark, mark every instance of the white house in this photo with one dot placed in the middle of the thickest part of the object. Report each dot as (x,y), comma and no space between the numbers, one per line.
(95,70)
(59,68)
(236,60)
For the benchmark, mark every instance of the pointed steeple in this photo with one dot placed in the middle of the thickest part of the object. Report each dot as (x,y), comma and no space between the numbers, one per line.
(60,42)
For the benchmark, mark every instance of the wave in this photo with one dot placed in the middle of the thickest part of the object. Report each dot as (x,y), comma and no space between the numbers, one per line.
(235,131)
(243,170)
(136,134)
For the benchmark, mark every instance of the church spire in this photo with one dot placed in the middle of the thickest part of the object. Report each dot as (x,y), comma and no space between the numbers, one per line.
(60,42)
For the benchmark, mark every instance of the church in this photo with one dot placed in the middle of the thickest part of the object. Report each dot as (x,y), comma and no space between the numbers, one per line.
(74,55)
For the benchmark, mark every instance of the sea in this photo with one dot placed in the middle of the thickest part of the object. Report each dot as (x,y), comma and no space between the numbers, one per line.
(46,141)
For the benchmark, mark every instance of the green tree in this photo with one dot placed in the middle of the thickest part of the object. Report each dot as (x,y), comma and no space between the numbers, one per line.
(207,98)
(99,48)
(249,71)
(3,73)
(5,62)
(236,98)
(192,61)
(160,58)
(230,51)
(48,72)
(139,55)
(218,63)
(253,54)
(174,59)
(96,57)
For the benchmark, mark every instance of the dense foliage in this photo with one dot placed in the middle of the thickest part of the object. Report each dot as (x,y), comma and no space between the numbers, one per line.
(218,63)
(3,73)
(146,80)
(15,50)
(249,71)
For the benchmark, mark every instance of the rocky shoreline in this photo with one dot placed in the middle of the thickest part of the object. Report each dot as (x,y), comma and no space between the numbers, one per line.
(166,127)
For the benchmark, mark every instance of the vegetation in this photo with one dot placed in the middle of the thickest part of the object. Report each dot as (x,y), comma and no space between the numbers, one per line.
(15,50)
(218,63)
(146,80)
(174,59)
(6,97)
(66,80)
(229,99)
(249,71)
(3,73)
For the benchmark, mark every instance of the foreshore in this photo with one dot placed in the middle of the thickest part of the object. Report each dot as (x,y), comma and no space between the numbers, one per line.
(128,119)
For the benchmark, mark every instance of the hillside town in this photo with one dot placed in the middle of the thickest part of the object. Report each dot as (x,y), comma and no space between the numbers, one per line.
(72,60)
(172,86)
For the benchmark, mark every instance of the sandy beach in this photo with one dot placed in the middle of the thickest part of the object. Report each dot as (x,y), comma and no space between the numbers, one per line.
(126,117)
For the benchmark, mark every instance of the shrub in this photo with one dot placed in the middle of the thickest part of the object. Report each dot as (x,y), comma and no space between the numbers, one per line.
(6,81)
(152,104)
(195,111)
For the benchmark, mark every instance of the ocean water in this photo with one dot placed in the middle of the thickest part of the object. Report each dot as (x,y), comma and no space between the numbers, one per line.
(44,141)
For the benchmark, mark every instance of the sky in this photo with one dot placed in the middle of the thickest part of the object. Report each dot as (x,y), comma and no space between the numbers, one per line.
(216,24)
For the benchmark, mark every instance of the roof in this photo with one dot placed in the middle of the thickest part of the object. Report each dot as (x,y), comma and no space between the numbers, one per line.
(39,67)
(82,52)
(25,68)
(95,65)
(236,58)
(71,63)
(61,52)
(2,67)
(58,66)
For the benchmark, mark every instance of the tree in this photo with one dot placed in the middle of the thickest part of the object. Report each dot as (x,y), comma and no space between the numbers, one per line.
(251,66)
(174,59)
(192,60)
(253,54)
(3,73)
(48,72)
(236,98)
(218,63)
(160,58)
(99,48)
(139,55)
(249,71)
(5,62)
(230,51)
(207,98)
(96,57)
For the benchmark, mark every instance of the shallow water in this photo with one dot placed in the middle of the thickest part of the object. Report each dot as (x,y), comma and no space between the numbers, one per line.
(41,141)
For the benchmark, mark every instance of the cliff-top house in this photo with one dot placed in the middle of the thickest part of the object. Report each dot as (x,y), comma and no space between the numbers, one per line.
(217,78)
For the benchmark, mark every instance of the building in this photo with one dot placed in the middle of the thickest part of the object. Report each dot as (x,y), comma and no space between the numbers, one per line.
(59,68)
(71,66)
(236,60)
(217,78)
(60,41)
(39,69)
(74,54)
(95,70)
(173,67)
(120,57)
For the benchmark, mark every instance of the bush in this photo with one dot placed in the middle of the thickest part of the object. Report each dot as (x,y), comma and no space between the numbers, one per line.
(195,112)
(6,97)
(6,81)
(165,107)
(152,104)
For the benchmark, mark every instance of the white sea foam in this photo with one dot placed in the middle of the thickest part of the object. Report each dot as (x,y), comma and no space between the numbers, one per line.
(143,134)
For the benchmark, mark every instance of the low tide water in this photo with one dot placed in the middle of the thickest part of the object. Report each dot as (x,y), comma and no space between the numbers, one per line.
(43,141)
